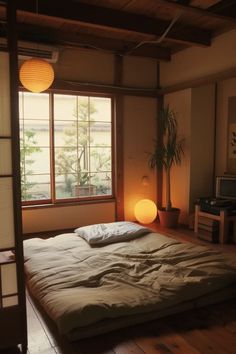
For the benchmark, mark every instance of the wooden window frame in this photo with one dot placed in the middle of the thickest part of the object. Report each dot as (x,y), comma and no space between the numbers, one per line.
(53,202)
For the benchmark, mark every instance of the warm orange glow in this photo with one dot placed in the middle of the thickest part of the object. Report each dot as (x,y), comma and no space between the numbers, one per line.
(145,211)
(36,75)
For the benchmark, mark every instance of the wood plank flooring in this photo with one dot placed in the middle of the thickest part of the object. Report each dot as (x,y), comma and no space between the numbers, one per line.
(208,330)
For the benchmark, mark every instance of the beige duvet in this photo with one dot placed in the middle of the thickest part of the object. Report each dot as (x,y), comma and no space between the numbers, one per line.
(80,286)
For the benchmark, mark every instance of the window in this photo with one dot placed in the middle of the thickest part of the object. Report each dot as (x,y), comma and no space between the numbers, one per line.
(66,147)
(35,146)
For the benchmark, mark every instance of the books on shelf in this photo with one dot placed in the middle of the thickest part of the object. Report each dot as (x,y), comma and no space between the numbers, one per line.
(210,236)
(208,229)
(207,221)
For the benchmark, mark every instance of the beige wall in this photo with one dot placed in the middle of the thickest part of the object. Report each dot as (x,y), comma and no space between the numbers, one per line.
(198,62)
(140,72)
(188,66)
(195,111)
(59,218)
(202,143)
(139,132)
(226,89)
(194,177)
(180,102)
(85,65)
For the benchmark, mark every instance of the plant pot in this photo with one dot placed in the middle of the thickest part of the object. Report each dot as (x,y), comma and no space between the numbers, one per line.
(169,218)
(85,191)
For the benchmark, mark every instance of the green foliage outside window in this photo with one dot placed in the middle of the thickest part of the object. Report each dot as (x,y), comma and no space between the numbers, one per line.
(27,148)
(72,160)
(82,163)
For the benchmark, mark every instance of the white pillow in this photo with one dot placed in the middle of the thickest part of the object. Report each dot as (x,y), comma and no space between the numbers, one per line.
(111,232)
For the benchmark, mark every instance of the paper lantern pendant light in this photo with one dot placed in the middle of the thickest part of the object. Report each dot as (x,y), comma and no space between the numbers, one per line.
(36,75)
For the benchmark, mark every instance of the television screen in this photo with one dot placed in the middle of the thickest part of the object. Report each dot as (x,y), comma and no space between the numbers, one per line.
(226,187)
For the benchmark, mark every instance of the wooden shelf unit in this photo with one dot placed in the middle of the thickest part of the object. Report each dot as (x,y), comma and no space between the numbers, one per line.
(224,220)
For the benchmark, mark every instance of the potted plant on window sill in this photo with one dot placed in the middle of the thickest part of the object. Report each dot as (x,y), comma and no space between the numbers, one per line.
(168,152)
(83,188)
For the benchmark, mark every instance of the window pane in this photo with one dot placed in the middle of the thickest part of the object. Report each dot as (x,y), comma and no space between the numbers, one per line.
(100,134)
(35,132)
(65,107)
(34,105)
(21,126)
(84,111)
(101,107)
(82,139)
(70,134)
(71,160)
(100,159)
(82,147)
(65,186)
(35,146)
(102,183)
(65,133)
(83,134)
(35,187)
(85,190)
(38,162)
(73,185)
(20,105)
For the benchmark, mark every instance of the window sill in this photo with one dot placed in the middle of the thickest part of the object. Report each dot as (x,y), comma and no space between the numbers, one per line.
(69,204)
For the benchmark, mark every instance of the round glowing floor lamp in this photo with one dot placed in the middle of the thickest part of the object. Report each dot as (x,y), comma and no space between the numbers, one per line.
(36,74)
(145,211)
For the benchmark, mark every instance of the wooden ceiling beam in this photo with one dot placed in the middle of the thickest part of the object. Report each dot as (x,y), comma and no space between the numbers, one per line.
(226,8)
(52,36)
(116,20)
(62,85)
(211,13)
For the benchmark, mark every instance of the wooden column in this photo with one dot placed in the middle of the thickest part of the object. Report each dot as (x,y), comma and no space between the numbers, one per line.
(119,141)
(12,290)
(160,102)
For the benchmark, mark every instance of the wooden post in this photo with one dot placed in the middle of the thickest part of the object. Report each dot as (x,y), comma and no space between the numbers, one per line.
(197,209)
(224,229)
(119,141)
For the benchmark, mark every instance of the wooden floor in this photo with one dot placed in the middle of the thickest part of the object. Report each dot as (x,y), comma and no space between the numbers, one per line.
(206,330)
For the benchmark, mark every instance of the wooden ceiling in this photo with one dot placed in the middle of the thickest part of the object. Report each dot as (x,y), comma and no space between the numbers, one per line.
(149,28)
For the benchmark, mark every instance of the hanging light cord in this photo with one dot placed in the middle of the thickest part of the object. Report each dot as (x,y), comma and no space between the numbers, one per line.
(160,39)
(157,41)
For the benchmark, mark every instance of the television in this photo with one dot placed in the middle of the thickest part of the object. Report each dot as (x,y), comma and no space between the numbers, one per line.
(226,187)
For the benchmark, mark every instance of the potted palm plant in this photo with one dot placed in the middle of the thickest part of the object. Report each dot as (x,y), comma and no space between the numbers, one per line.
(168,151)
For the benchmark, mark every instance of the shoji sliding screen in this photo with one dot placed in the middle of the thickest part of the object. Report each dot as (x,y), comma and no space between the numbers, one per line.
(8,287)
(12,293)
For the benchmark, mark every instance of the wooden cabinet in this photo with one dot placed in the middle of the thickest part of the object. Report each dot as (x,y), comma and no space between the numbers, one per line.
(223,218)
(12,291)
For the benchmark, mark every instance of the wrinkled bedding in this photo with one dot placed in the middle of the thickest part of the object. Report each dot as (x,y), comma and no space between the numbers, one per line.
(79,285)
